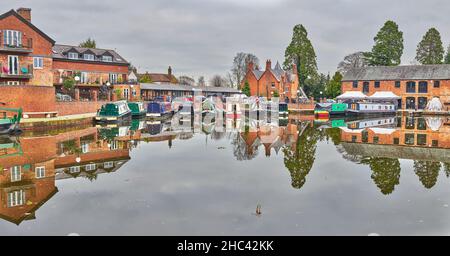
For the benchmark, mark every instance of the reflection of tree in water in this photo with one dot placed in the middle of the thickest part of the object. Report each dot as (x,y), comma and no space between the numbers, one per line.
(385,173)
(300,161)
(240,149)
(446,169)
(427,171)
(334,134)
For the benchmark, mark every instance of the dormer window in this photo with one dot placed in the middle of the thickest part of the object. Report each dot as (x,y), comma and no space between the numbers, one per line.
(72,55)
(107,58)
(12,38)
(88,56)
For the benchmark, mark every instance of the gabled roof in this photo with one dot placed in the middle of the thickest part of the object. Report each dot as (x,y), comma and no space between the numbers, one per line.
(415,72)
(14,13)
(258,73)
(59,51)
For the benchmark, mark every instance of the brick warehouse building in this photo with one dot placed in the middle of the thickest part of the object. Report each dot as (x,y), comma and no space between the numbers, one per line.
(416,85)
(265,83)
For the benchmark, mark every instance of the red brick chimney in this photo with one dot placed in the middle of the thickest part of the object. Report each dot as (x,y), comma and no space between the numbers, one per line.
(268,64)
(25,13)
(294,68)
(169,72)
(250,66)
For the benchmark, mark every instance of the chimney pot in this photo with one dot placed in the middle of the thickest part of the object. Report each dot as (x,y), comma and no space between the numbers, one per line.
(268,65)
(25,13)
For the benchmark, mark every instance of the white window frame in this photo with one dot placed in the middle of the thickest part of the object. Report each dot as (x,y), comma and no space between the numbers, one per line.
(126,93)
(114,145)
(16,173)
(16,198)
(40,172)
(107,58)
(83,77)
(73,55)
(13,65)
(108,165)
(12,38)
(88,56)
(84,147)
(90,167)
(13,83)
(74,169)
(113,77)
(38,62)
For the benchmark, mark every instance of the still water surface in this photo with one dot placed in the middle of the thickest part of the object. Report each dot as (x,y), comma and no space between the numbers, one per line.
(387,175)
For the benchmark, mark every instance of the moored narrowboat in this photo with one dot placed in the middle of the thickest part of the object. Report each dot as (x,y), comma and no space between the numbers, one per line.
(113,112)
(159,109)
(137,109)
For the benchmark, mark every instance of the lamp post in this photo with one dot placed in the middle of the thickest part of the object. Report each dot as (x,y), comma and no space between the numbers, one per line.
(321,95)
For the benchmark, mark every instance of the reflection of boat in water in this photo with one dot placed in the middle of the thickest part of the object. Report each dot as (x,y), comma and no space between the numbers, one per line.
(9,146)
(366,123)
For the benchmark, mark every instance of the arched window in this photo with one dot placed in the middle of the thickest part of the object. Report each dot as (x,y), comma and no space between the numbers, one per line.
(411,87)
(423,87)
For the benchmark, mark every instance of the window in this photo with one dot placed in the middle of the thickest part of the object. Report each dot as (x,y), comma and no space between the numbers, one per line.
(409,138)
(13,64)
(38,62)
(353,138)
(16,198)
(84,147)
(107,58)
(16,173)
(133,92)
(12,83)
(397,84)
(74,169)
(377,84)
(376,139)
(90,167)
(421,124)
(434,143)
(410,103)
(40,172)
(88,56)
(410,123)
(114,145)
(72,55)
(421,139)
(437,84)
(83,77)
(355,84)
(273,85)
(126,93)
(113,78)
(365,87)
(365,136)
(108,165)
(411,87)
(396,141)
(422,102)
(423,87)
(12,38)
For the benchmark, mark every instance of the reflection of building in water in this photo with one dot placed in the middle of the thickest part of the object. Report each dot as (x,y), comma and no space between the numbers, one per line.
(29,168)
(381,142)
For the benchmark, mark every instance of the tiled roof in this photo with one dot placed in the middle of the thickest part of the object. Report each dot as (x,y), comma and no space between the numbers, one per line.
(163,78)
(416,72)
(179,87)
(258,73)
(60,52)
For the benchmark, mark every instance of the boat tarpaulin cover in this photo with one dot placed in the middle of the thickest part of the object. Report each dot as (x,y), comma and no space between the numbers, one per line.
(352,95)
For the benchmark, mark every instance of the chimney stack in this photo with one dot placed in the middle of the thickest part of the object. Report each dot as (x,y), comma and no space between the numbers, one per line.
(294,68)
(268,65)
(250,66)
(169,72)
(25,13)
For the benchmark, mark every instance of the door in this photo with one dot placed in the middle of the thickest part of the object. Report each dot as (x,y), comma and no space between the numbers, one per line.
(13,65)
(366,87)
(399,104)
(126,93)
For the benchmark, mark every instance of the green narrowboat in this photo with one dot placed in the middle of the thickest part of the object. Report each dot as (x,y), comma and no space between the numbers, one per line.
(137,109)
(10,125)
(113,112)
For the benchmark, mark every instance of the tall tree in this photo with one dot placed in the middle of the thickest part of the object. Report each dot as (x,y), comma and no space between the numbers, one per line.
(218,81)
(240,65)
(301,53)
(89,43)
(333,88)
(388,48)
(186,80)
(201,81)
(430,49)
(447,56)
(354,60)
(246,88)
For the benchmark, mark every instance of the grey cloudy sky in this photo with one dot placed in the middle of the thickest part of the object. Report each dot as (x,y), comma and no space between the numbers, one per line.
(201,37)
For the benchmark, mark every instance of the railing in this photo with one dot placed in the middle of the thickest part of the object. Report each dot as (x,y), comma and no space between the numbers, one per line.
(22,71)
(25,46)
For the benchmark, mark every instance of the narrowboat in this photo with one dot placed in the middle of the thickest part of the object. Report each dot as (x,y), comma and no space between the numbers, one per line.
(113,112)
(10,125)
(371,108)
(137,109)
(331,108)
(159,109)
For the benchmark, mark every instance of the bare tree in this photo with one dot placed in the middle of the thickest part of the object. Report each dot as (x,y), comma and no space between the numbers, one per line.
(240,64)
(354,60)
(186,80)
(201,81)
(217,81)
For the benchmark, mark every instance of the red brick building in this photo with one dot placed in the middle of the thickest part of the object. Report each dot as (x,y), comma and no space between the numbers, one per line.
(160,78)
(416,85)
(25,51)
(266,83)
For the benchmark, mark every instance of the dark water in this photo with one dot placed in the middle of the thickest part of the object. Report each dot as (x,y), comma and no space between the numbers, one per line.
(308,177)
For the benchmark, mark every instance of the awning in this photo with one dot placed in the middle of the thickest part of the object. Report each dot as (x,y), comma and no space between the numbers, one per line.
(384,95)
(352,95)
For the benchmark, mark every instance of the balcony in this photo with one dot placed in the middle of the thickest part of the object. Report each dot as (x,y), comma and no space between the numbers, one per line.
(23,72)
(25,47)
